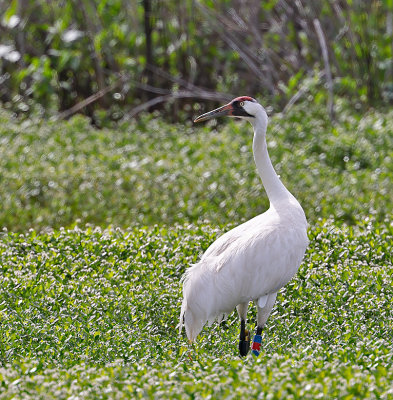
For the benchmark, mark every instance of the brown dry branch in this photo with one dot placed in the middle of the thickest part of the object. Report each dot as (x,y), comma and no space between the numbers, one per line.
(166,95)
(89,100)
(181,94)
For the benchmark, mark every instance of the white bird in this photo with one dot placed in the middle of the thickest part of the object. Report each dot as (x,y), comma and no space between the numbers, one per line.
(254,260)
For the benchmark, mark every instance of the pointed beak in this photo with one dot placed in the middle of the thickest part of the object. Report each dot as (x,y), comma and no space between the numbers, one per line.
(218,112)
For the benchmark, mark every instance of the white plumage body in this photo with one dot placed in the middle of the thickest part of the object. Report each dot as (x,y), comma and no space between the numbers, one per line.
(254,260)
(245,264)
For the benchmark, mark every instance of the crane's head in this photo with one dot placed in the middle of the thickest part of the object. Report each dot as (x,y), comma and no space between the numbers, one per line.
(241,107)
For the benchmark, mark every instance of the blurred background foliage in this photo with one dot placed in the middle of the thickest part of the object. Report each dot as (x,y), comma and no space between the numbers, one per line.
(111,59)
(324,69)
(149,171)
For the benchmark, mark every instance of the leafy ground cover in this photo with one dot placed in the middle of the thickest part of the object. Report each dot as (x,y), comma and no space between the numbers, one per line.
(148,171)
(92,313)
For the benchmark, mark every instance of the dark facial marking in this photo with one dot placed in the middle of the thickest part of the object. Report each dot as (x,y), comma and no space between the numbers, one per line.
(238,110)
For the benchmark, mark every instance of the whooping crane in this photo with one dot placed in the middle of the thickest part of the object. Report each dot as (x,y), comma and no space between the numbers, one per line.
(254,260)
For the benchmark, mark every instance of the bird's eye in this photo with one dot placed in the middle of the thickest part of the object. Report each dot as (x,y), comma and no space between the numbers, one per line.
(241,104)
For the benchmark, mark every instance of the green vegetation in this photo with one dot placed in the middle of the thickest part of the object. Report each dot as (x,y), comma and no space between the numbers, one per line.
(92,314)
(56,54)
(148,171)
(98,225)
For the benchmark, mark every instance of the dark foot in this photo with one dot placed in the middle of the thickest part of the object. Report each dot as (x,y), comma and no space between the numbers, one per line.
(244,342)
(244,346)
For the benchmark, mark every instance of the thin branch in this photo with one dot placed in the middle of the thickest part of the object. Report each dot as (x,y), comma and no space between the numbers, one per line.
(302,90)
(91,99)
(232,41)
(328,73)
(181,94)
(146,105)
(91,31)
(166,95)
(189,85)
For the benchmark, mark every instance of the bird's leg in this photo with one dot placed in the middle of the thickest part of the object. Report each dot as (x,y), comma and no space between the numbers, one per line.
(263,315)
(257,341)
(244,342)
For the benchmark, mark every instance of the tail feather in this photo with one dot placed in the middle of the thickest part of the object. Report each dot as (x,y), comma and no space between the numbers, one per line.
(200,302)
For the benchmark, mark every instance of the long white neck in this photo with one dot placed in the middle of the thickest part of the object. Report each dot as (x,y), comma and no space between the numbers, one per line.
(275,189)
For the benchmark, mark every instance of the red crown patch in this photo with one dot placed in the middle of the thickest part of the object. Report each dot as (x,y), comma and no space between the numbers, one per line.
(244,98)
